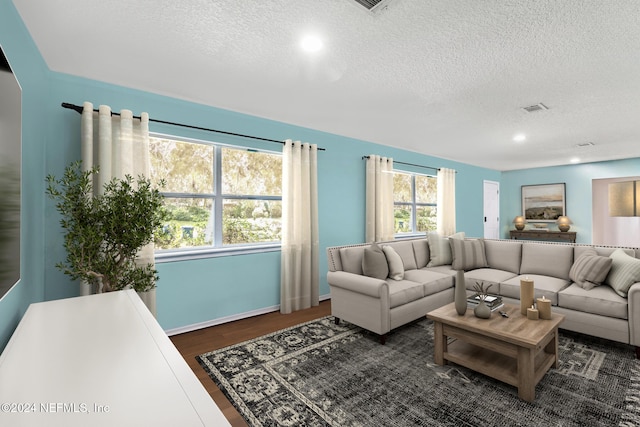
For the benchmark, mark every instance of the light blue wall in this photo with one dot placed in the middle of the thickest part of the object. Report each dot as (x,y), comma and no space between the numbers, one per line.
(578,180)
(192,292)
(189,292)
(197,291)
(32,76)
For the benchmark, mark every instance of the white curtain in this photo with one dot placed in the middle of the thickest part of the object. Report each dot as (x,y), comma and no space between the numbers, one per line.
(446,208)
(119,146)
(379,203)
(299,272)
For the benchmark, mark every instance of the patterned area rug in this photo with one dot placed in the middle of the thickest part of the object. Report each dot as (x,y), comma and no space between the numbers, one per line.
(319,374)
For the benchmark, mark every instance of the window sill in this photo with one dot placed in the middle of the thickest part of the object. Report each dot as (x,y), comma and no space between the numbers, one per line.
(191,254)
(410,235)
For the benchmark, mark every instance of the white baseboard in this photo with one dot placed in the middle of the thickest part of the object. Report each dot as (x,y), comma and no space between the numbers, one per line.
(227,319)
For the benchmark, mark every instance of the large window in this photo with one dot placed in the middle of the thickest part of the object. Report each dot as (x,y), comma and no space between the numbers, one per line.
(415,200)
(218,196)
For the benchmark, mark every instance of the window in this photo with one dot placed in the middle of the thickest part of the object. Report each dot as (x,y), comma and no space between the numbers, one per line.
(218,197)
(415,200)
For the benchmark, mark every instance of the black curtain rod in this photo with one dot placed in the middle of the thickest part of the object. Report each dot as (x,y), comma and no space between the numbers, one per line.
(79,108)
(409,164)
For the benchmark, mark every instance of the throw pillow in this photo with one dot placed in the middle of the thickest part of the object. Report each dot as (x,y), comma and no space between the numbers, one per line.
(439,248)
(396,266)
(590,270)
(374,262)
(467,254)
(625,271)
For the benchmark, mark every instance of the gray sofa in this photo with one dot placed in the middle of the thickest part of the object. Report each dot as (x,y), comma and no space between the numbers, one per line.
(427,282)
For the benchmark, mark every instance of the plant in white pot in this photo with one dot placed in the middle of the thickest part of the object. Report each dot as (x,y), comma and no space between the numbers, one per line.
(103,234)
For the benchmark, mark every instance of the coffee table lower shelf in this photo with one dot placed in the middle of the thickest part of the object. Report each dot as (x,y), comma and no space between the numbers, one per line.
(495,365)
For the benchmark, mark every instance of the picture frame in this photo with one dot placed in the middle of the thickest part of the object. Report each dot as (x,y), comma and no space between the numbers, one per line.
(544,202)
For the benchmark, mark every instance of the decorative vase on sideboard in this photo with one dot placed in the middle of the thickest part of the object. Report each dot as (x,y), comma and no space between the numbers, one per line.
(460,293)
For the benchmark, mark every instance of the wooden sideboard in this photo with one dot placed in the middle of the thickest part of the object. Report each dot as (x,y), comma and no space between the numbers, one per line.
(553,236)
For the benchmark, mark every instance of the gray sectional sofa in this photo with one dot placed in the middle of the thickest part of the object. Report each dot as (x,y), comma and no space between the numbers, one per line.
(578,279)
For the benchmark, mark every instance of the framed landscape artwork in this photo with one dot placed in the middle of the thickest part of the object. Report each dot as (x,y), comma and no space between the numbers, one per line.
(543,203)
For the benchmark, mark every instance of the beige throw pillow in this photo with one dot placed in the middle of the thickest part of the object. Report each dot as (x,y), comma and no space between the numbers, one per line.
(467,254)
(374,262)
(439,248)
(625,271)
(396,266)
(590,270)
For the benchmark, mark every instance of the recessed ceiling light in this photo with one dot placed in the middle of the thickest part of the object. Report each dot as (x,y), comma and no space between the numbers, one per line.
(520,137)
(575,160)
(311,43)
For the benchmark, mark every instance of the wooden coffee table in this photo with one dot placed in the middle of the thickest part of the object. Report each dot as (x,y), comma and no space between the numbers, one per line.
(514,350)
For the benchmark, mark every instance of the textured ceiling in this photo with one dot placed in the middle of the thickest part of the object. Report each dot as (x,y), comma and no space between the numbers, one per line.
(445,78)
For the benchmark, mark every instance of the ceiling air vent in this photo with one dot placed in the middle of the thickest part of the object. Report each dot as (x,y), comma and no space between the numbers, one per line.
(374,6)
(585,144)
(536,107)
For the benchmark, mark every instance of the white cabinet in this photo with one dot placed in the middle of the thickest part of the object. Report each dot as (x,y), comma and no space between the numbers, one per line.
(98,360)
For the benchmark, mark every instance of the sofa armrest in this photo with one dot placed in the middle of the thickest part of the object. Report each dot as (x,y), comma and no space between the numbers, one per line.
(634,314)
(356,283)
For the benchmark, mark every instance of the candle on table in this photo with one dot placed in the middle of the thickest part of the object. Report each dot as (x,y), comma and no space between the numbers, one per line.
(532,313)
(544,307)
(526,295)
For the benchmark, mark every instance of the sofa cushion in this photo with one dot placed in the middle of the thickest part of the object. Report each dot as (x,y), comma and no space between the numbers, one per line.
(488,276)
(439,248)
(404,291)
(351,259)
(600,250)
(374,262)
(589,269)
(504,255)
(547,259)
(421,251)
(405,250)
(602,300)
(625,271)
(467,254)
(433,281)
(396,267)
(443,269)
(542,285)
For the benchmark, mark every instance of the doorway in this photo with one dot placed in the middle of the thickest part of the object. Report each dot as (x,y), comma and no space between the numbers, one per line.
(491,197)
(610,230)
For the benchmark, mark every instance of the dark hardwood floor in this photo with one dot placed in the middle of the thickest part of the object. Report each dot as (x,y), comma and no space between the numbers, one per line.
(192,344)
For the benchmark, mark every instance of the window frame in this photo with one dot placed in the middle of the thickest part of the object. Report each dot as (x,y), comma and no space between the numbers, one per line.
(217,198)
(414,205)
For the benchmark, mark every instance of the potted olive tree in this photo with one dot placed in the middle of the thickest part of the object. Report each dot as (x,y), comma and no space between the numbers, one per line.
(103,234)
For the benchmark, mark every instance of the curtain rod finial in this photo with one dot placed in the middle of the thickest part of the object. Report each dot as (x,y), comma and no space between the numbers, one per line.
(77,108)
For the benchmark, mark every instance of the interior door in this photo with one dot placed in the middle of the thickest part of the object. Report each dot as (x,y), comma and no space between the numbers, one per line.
(491,210)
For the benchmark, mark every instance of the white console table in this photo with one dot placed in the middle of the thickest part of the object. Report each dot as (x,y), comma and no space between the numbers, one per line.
(98,360)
